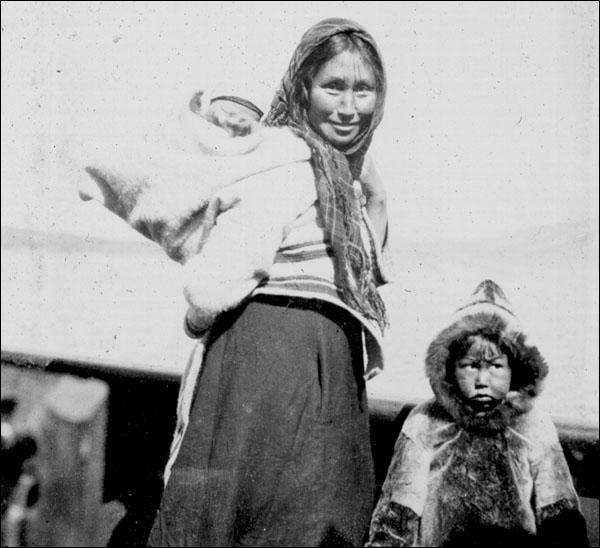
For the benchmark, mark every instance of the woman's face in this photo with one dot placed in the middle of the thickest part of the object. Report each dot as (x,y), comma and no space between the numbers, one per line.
(343,97)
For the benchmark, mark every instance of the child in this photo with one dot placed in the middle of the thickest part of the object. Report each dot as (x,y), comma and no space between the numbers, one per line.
(478,464)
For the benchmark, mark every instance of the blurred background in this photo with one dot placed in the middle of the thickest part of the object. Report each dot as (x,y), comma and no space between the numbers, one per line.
(489,148)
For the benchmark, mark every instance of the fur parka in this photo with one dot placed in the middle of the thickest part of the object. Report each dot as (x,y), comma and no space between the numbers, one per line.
(460,478)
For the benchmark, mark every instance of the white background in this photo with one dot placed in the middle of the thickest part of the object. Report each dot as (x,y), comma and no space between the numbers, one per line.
(490,135)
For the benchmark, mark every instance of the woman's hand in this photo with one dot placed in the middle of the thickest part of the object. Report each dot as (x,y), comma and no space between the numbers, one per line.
(376,197)
(194,325)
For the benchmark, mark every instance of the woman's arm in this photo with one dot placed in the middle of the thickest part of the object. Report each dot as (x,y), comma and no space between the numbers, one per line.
(376,198)
(241,247)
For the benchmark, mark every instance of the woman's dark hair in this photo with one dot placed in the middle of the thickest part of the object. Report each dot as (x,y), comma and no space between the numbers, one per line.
(326,51)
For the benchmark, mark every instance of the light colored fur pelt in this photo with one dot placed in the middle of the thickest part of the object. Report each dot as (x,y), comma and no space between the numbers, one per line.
(170,194)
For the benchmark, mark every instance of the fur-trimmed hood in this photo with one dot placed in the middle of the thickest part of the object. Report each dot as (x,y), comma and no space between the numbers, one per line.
(461,478)
(487,313)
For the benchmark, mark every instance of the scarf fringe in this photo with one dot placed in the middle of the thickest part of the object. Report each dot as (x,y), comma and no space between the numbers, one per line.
(354,265)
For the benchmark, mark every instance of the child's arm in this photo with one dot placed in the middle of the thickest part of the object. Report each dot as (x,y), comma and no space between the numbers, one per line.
(396,520)
(394,525)
(558,515)
(562,524)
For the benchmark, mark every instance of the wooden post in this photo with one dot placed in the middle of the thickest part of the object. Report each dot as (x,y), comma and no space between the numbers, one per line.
(71,464)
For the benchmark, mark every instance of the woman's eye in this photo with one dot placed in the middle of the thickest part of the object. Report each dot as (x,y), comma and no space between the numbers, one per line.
(363,90)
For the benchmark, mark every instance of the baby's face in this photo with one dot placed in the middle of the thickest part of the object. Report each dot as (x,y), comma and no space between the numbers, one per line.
(236,119)
(483,375)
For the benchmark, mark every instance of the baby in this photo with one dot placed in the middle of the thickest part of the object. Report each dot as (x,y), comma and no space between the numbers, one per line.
(236,115)
(227,111)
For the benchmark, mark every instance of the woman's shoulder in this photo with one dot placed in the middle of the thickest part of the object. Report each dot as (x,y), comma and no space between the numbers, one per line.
(283,192)
(283,143)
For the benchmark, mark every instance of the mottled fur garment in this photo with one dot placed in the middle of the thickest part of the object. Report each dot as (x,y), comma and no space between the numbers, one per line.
(472,478)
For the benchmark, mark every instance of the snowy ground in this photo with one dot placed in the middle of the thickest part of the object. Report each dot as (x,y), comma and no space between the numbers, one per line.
(122,302)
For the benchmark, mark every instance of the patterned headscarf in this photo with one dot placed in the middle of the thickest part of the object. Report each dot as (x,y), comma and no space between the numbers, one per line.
(335,170)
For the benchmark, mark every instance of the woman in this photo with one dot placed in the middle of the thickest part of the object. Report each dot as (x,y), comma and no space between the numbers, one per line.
(277,451)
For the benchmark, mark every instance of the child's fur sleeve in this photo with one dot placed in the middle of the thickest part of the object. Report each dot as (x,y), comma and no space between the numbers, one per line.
(558,514)
(397,517)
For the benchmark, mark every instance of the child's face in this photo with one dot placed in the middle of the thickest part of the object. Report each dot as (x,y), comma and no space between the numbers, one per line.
(483,375)
(236,119)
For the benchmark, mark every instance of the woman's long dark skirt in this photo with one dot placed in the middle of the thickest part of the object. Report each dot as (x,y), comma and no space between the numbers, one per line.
(277,452)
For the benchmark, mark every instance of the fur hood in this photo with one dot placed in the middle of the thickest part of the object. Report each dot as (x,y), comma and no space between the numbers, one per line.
(487,313)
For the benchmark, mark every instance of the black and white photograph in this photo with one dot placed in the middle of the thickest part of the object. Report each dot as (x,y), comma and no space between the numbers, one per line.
(300,273)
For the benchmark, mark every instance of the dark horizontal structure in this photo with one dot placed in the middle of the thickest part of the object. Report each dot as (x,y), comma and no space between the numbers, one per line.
(141,419)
